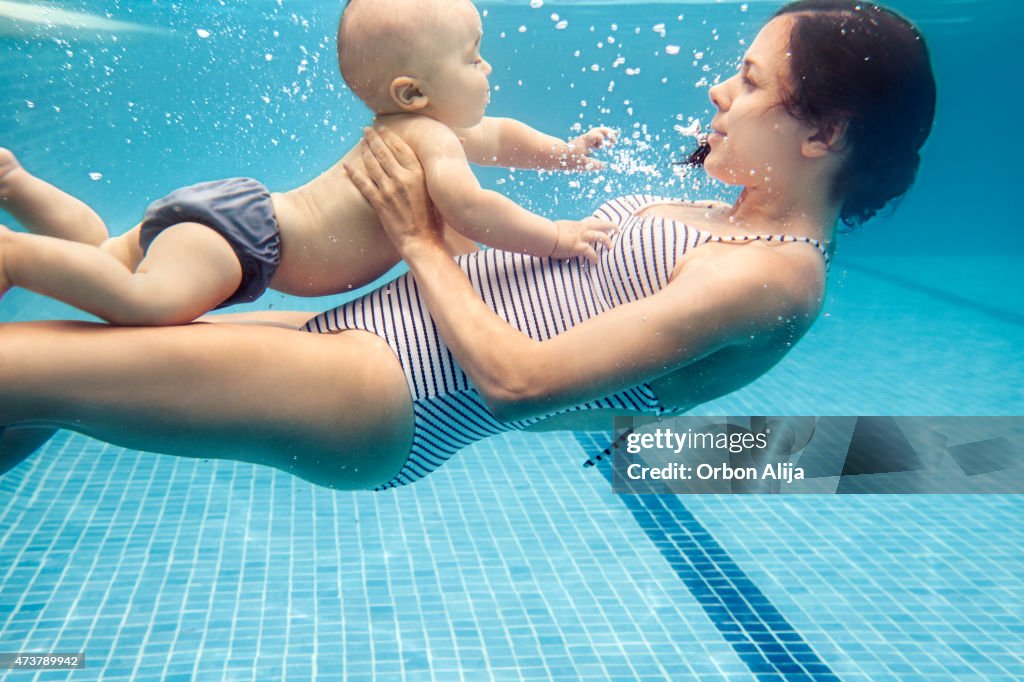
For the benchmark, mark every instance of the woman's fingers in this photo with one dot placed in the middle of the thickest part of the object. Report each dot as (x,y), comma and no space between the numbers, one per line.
(381,152)
(393,154)
(376,171)
(365,186)
(402,152)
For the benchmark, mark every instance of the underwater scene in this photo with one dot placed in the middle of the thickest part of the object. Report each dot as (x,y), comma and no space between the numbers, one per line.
(513,561)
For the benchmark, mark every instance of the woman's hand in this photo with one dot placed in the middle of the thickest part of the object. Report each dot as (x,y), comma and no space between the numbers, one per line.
(392,181)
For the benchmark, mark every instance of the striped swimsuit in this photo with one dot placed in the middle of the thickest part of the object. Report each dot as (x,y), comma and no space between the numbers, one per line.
(540,297)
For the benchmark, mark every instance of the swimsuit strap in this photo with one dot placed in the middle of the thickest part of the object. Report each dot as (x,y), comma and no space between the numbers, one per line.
(822,247)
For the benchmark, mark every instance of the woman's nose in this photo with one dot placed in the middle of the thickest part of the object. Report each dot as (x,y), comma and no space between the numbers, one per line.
(717,95)
(487,66)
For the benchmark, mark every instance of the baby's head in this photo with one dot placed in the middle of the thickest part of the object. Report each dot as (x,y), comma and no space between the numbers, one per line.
(417,57)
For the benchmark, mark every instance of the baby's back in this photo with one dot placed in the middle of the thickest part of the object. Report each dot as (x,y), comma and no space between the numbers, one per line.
(331,240)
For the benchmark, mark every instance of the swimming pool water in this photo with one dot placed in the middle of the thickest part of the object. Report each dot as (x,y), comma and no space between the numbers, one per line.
(512,562)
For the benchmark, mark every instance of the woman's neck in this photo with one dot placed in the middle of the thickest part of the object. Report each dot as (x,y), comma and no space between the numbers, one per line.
(766,210)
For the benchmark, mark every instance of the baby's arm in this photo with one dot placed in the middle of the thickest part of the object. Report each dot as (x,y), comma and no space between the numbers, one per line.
(511,143)
(487,216)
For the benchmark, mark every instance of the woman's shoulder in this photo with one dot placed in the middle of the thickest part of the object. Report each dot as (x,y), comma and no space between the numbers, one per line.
(786,280)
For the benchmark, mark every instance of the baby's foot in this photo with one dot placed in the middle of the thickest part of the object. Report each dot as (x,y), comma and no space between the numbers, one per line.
(9,168)
(5,282)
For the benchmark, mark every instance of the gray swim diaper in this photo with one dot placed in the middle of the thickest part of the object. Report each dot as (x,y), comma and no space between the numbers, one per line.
(238,209)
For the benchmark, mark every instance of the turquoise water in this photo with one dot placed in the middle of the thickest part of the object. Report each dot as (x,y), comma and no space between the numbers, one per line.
(512,562)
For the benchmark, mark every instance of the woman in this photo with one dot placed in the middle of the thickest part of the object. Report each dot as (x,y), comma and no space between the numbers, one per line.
(823,122)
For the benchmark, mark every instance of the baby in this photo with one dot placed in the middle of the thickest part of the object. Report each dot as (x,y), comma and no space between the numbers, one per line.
(417,65)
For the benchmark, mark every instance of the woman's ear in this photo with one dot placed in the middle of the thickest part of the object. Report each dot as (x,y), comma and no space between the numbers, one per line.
(828,138)
(405,92)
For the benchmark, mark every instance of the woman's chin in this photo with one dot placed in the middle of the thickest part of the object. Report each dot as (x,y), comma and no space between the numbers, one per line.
(716,171)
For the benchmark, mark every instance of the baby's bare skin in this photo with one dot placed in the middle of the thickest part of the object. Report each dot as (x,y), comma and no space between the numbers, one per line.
(330,239)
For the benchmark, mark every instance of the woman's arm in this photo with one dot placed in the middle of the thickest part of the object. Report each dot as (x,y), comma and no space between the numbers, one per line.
(705,308)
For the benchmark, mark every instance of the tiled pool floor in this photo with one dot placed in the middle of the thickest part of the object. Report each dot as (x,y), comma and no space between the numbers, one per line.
(511,563)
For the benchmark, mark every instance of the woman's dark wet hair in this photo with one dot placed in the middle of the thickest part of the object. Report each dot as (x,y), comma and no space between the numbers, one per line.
(865,67)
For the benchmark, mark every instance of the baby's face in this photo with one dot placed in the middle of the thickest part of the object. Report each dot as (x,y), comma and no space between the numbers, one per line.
(453,75)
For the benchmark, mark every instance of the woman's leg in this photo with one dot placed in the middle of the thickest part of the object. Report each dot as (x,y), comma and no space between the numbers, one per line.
(18,443)
(332,409)
(286,319)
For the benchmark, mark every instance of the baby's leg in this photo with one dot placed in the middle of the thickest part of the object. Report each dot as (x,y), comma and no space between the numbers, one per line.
(188,270)
(44,209)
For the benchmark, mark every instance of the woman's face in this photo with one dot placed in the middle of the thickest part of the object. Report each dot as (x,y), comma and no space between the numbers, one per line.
(754,141)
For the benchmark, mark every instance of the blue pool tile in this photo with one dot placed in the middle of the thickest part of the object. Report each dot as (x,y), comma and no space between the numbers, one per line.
(487,567)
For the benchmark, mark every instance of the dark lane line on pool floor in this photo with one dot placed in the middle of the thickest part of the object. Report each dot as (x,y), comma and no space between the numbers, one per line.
(761,636)
(945,296)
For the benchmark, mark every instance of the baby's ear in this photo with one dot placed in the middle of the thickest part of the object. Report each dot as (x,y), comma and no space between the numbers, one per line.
(405,92)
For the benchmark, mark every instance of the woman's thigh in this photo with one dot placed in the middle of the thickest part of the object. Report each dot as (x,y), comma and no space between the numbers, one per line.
(333,409)
(287,319)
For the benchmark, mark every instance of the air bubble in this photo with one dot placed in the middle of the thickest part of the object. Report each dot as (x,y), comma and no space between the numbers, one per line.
(202,33)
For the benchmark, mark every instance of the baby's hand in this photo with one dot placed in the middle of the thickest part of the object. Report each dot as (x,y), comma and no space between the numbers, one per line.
(581,237)
(581,148)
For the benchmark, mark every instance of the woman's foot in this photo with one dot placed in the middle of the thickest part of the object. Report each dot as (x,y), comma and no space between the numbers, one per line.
(17,443)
